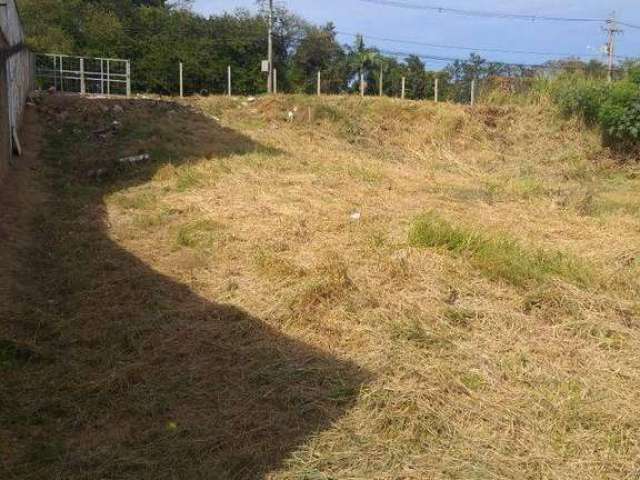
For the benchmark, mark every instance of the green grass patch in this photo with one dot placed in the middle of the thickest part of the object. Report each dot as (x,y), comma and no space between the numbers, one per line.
(497,255)
(188,178)
(198,234)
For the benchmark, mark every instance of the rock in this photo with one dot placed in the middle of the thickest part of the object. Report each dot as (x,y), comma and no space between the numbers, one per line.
(355,216)
(117,109)
(251,99)
(52,90)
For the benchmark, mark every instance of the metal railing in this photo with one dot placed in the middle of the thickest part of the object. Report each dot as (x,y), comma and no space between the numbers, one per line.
(84,75)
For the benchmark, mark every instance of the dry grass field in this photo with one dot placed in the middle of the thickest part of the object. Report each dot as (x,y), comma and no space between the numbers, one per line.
(375,290)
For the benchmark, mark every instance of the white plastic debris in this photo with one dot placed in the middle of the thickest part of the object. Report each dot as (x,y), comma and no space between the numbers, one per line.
(135,159)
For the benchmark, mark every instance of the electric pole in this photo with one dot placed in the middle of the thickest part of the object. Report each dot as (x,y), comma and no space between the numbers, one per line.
(612,30)
(270,49)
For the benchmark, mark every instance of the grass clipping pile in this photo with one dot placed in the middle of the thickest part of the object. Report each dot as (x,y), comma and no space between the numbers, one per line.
(303,288)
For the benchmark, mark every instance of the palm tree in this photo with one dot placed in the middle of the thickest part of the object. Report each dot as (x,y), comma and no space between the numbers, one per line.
(361,58)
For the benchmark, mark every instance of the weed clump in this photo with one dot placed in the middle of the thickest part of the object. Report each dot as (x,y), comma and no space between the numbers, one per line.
(498,256)
(201,233)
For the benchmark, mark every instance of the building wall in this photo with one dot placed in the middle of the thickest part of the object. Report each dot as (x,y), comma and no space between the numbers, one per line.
(16,76)
(5,138)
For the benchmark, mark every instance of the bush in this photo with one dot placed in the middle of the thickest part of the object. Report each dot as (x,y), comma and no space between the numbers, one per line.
(579,97)
(615,108)
(634,74)
(620,116)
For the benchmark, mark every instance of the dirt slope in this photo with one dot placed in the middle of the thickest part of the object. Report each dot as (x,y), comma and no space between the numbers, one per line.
(376,289)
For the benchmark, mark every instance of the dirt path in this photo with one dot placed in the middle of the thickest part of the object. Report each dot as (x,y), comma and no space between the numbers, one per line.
(20,196)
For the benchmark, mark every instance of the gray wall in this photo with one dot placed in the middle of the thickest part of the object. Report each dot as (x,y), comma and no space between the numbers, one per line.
(16,76)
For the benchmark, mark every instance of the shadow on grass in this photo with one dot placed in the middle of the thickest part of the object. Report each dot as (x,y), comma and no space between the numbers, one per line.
(127,373)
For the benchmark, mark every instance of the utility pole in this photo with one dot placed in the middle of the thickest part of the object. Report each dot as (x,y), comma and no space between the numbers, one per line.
(612,30)
(270,49)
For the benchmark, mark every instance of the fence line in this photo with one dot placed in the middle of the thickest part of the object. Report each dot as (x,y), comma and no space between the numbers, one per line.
(436,89)
(85,75)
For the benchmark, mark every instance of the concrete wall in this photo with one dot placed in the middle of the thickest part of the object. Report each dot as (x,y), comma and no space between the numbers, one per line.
(5,130)
(16,75)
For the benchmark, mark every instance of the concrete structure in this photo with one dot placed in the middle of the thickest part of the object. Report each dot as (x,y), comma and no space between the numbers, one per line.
(16,78)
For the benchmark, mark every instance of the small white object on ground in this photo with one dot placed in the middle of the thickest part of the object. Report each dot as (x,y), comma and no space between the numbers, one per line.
(356,216)
(135,159)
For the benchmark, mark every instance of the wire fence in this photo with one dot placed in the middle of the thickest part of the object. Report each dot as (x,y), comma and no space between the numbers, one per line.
(431,86)
(107,76)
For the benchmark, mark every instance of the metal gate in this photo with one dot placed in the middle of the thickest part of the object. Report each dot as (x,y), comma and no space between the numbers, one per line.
(95,76)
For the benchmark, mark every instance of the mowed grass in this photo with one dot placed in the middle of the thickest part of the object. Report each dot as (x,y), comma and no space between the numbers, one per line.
(267,299)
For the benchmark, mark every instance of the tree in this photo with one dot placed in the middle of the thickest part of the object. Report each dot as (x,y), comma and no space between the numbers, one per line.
(361,59)
(416,78)
(319,51)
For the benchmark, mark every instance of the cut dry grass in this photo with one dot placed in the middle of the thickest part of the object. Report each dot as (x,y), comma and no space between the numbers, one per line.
(267,299)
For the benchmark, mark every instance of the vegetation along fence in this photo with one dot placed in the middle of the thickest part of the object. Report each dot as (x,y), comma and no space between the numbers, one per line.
(104,76)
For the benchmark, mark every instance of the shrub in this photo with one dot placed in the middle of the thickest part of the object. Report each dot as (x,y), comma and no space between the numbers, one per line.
(579,97)
(634,74)
(620,116)
(615,108)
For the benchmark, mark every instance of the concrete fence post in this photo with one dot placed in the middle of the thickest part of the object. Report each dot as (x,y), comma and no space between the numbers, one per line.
(275,81)
(181,84)
(61,75)
(435,89)
(102,76)
(404,88)
(473,92)
(229,80)
(83,86)
(128,66)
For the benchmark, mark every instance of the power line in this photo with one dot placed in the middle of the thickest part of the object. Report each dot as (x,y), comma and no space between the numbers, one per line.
(472,49)
(481,13)
(629,25)
(434,58)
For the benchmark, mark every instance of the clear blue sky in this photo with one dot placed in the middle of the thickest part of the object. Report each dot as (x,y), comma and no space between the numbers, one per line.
(354,16)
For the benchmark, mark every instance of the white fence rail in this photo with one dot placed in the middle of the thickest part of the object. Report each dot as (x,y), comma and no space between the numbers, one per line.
(103,76)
